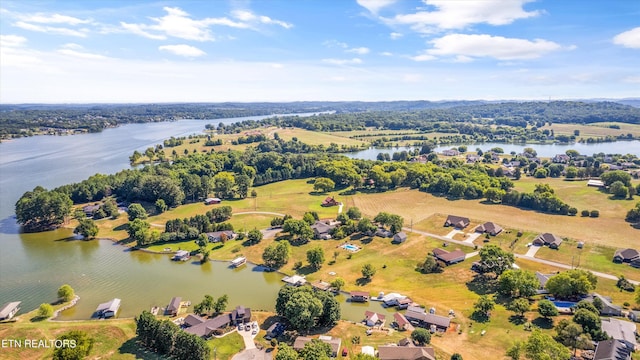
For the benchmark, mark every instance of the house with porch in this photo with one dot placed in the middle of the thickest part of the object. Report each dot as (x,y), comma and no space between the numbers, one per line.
(458,222)
(548,239)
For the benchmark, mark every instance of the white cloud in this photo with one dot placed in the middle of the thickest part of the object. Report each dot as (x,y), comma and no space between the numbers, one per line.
(137,29)
(249,17)
(395,35)
(183,50)
(358,50)
(386,53)
(461,14)
(53,19)
(632,79)
(422,57)
(497,47)
(629,39)
(51,29)
(335,43)
(353,61)
(12,40)
(80,54)
(375,5)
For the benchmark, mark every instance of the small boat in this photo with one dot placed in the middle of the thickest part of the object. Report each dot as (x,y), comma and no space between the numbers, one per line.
(239,261)
(154,310)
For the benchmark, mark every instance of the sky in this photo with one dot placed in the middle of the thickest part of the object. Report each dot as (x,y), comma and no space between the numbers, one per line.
(128,51)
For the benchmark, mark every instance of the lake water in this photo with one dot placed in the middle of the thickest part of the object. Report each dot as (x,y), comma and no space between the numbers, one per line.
(543,150)
(33,266)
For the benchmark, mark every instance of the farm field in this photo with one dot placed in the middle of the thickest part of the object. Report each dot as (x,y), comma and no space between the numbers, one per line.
(594,130)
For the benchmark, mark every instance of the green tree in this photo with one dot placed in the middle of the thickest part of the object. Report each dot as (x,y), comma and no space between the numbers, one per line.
(323,185)
(221,304)
(298,228)
(354,213)
(316,350)
(87,228)
(337,283)
(571,283)
(618,189)
(496,260)
(161,206)
(430,265)
(494,195)
(518,283)
(223,184)
(139,230)
(547,309)
(136,211)
(484,305)
(286,352)
(40,209)
(315,257)
(590,323)
(66,293)
(540,346)
(365,226)
(610,177)
(368,271)
(572,335)
(277,254)
(254,236)
(45,311)
(302,310)
(77,347)
(421,336)
(205,306)
(519,306)
(456,356)
(637,296)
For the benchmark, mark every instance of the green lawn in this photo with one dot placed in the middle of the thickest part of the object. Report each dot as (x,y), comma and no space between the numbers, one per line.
(225,347)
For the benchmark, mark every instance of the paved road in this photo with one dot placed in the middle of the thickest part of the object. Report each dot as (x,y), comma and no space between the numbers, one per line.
(519,256)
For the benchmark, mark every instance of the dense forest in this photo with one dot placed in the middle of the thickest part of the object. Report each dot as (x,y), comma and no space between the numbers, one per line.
(27,120)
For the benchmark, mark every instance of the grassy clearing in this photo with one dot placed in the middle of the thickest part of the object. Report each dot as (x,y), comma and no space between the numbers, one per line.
(595,130)
(227,346)
(317,138)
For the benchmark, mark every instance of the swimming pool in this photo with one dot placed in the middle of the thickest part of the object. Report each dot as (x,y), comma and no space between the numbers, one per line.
(350,247)
(564,304)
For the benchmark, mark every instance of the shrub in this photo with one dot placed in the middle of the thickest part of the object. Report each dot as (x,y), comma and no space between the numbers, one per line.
(594,213)
(584,213)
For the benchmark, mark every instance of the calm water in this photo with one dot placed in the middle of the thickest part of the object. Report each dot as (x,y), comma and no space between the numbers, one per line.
(33,266)
(543,150)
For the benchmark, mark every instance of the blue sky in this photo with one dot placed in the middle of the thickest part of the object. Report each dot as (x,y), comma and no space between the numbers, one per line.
(286,50)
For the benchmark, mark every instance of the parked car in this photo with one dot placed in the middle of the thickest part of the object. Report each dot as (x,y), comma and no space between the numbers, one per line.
(247,327)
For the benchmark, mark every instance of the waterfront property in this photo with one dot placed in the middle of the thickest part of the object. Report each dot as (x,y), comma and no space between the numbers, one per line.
(457,222)
(321,285)
(374,319)
(217,236)
(181,255)
(108,309)
(401,322)
(294,280)
(206,328)
(239,261)
(276,329)
(548,239)
(430,321)
(449,258)
(241,315)
(392,299)
(359,296)
(9,310)
(174,306)
(335,344)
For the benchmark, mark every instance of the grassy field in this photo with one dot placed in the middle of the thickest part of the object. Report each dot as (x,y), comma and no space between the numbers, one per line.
(317,138)
(595,130)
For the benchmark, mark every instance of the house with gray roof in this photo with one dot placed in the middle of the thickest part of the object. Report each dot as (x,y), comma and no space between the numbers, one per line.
(209,327)
(428,320)
(322,230)
(409,352)
(622,330)
(9,310)
(626,255)
(108,309)
(548,239)
(174,306)
(490,228)
(399,238)
(458,222)
(612,349)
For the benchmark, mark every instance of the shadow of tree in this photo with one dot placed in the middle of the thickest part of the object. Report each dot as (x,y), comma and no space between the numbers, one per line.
(479,316)
(517,319)
(121,227)
(363,281)
(482,285)
(306,270)
(131,347)
(543,323)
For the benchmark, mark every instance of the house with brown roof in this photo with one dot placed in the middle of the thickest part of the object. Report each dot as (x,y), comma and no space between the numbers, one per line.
(418,316)
(301,341)
(329,201)
(449,258)
(394,352)
(374,319)
(626,255)
(174,306)
(400,321)
(321,285)
(490,228)
(548,239)
(359,296)
(458,222)
(241,315)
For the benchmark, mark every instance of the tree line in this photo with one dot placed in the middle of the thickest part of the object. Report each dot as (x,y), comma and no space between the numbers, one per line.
(166,338)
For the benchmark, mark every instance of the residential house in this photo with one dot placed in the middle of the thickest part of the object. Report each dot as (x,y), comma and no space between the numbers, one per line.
(275,330)
(449,258)
(561,159)
(399,238)
(471,158)
(490,228)
(391,299)
(394,352)
(329,201)
(301,341)
(359,296)
(294,280)
(174,306)
(404,303)
(211,201)
(192,320)
(626,255)
(427,320)
(622,330)
(181,255)
(548,239)
(458,222)
(608,308)
(400,321)
(543,278)
(634,315)
(384,233)
(635,263)
(322,230)
(108,309)
(450,152)
(9,310)
(217,236)
(612,350)
(206,328)
(374,319)
(241,315)
(90,209)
